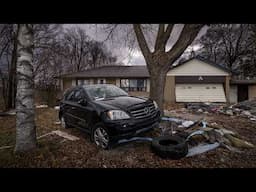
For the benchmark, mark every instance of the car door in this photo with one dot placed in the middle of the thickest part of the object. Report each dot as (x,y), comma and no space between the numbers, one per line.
(68,108)
(83,111)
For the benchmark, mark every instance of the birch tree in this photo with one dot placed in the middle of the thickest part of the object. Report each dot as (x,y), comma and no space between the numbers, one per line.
(25,118)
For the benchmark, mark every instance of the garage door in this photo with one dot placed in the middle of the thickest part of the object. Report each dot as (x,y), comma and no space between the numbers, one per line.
(200,93)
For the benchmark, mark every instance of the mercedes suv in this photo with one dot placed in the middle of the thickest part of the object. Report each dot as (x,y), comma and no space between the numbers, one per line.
(107,113)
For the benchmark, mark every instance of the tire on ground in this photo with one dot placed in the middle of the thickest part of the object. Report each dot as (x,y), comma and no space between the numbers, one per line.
(172,147)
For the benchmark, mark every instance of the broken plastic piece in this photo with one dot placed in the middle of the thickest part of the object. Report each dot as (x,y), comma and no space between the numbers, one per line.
(204,123)
(176,120)
(135,139)
(188,123)
(199,132)
(201,149)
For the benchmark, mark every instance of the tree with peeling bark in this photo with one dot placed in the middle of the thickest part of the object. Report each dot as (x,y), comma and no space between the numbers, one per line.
(25,109)
(161,60)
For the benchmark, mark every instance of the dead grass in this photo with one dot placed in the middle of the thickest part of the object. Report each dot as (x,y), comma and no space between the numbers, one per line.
(54,151)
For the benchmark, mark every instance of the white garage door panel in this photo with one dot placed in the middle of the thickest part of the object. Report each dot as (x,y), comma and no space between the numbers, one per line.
(200,93)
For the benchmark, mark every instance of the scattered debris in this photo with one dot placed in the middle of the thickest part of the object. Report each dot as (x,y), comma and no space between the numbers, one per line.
(6,147)
(236,142)
(245,109)
(135,139)
(253,119)
(57,123)
(204,107)
(57,107)
(41,106)
(7,113)
(39,137)
(65,135)
(176,120)
(246,105)
(180,122)
(187,123)
(198,132)
(203,136)
(61,134)
(229,112)
(202,148)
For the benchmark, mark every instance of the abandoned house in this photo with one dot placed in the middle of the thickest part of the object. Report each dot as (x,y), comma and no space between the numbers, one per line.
(194,80)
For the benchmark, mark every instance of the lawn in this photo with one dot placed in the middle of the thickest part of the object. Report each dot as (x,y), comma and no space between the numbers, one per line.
(55,151)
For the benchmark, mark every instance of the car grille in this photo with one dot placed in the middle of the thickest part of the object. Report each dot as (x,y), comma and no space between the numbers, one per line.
(140,112)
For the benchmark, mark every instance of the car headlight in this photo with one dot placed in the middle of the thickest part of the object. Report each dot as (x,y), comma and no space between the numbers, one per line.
(117,115)
(155,104)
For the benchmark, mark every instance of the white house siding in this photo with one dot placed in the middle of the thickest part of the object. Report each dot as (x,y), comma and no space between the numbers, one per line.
(117,82)
(196,68)
(148,85)
(233,94)
(73,82)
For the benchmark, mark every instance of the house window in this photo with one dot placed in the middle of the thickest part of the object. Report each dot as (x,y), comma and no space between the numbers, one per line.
(133,84)
(101,81)
(83,82)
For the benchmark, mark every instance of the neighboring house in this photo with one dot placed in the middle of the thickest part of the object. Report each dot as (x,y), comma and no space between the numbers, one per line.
(242,89)
(130,78)
(194,80)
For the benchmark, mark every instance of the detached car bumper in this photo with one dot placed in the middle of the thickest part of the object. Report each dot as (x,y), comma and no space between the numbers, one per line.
(125,129)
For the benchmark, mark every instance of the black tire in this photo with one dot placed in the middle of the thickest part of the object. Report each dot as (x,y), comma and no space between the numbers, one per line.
(172,147)
(110,143)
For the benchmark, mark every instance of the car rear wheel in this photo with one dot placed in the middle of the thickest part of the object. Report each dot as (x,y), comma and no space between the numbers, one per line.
(101,137)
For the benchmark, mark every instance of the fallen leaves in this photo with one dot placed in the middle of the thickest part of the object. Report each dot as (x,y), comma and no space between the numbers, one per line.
(55,151)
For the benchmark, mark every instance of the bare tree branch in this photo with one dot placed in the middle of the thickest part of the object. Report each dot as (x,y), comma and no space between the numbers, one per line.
(188,34)
(142,41)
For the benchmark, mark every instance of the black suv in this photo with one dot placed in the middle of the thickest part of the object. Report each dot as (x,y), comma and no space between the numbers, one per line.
(107,112)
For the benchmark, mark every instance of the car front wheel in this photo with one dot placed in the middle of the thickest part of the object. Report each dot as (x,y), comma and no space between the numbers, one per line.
(101,137)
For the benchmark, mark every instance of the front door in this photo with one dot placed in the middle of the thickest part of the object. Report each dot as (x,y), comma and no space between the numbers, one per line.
(242,92)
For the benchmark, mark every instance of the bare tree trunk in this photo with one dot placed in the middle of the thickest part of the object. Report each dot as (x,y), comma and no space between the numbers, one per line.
(159,61)
(157,83)
(25,120)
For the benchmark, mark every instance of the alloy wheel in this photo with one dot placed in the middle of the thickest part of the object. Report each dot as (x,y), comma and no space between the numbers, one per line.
(101,137)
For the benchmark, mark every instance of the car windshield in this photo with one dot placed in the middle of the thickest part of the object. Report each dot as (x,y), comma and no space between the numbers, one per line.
(99,92)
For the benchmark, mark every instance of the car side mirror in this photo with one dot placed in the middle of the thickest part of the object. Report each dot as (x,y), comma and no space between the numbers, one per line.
(82,102)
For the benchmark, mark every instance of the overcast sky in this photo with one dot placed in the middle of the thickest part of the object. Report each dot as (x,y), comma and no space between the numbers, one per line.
(119,49)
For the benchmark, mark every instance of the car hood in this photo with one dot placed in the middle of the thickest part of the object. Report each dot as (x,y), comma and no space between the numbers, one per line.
(122,102)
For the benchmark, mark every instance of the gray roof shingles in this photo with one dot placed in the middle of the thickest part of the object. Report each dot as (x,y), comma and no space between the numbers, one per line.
(112,71)
(136,71)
